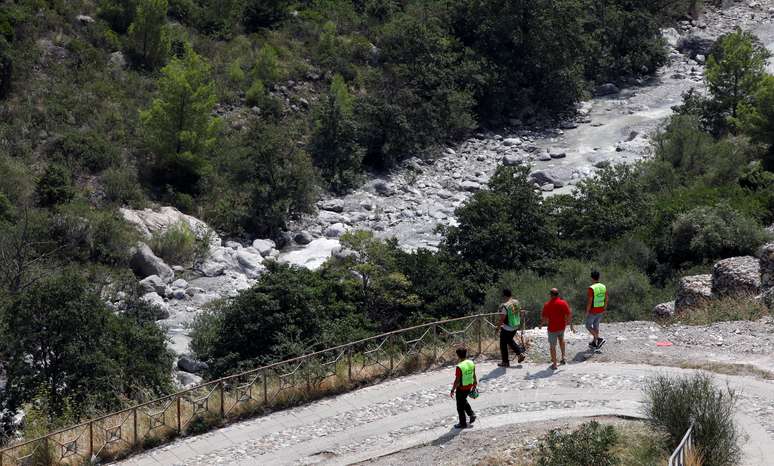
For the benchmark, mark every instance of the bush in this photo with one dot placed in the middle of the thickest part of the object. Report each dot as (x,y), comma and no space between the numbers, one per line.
(631,294)
(121,187)
(673,403)
(704,234)
(91,151)
(55,187)
(590,445)
(723,310)
(179,245)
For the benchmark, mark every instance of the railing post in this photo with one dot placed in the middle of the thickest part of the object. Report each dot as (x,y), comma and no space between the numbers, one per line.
(389,350)
(222,401)
(265,390)
(91,439)
(435,345)
(349,364)
(48,452)
(179,420)
(480,324)
(134,422)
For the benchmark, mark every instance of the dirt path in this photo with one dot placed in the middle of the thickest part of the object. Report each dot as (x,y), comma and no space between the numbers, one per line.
(415,410)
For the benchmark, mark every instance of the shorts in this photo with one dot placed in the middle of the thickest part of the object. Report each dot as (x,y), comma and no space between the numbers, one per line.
(592,321)
(554,336)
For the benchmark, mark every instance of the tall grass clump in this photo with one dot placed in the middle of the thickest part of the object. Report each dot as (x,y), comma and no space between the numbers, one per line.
(179,245)
(591,444)
(725,309)
(672,403)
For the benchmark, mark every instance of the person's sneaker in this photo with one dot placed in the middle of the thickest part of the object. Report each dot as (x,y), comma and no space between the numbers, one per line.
(521,358)
(600,342)
(460,426)
(472,419)
(553,367)
(504,364)
(593,344)
(562,362)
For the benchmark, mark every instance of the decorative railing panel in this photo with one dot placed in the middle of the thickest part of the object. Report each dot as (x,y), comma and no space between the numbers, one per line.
(261,390)
(680,455)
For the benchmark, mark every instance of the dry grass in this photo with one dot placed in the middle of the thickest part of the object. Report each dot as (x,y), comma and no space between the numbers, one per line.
(729,369)
(721,310)
(693,458)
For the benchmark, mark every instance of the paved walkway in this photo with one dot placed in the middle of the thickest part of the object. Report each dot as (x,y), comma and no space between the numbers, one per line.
(415,410)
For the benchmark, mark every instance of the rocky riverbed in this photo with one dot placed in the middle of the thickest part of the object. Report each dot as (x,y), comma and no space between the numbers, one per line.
(410,203)
(614,127)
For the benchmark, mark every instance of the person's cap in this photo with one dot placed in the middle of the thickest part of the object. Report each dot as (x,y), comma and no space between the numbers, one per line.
(554,292)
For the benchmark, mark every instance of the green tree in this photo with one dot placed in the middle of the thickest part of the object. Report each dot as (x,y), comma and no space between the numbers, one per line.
(267,67)
(264,13)
(148,38)
(178,126)
(334,145)
(505,227)
(757,119)
(379,287)
(119,14)
(55,186)
(734,69)
(61,340)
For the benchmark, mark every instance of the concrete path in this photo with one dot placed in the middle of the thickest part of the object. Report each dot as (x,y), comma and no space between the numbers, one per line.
(415,410)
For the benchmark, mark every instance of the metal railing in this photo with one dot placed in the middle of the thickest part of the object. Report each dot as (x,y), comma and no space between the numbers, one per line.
(680,454)
(258,391)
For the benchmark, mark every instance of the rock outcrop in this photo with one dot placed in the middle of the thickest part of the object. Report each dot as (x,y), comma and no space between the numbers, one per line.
(149,222)
(145,263)
(693,290)
(664,310)
(736,276)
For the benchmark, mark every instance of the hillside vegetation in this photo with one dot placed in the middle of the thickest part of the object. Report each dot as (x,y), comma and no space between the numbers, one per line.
(240,111)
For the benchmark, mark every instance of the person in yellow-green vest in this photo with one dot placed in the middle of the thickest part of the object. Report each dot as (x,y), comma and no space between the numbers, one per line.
(465,381)
(596,305)
(511,318)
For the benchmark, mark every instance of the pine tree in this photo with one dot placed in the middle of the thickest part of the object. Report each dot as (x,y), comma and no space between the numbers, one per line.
(334,144)
(179,126)
(148,38)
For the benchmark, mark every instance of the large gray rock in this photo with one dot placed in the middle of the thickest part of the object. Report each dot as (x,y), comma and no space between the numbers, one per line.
(335,230)
(144,263)
(558,176)
(695,44)
(251,262)
(692,291)
(152,284)
(151,222)
(664,310)
(220,260)
(333,205)
(155,300)
(510,160)
(606,89)
(736,276)
(766,264)
(470,186)
(190,364)
(264,246)
(303,238)
(671,36)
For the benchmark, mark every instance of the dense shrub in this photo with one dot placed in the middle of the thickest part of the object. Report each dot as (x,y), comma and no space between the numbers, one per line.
(91,151)
(707,233)
(67,343)
(503,228)
(55,186)
(179,245)
(631,294)
(673,403)
(590,445)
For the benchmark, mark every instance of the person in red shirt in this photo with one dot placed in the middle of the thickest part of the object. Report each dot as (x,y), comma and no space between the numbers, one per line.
(557,315)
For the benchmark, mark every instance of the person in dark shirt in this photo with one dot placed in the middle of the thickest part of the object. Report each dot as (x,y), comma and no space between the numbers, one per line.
(465,381)
(556,315)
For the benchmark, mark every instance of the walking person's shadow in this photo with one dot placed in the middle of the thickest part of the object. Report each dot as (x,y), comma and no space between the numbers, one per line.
(544,374)
(446,438)
(493,374)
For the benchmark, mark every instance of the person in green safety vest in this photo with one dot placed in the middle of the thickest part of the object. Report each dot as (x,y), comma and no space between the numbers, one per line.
(511,318)
(596,305)
(465,381)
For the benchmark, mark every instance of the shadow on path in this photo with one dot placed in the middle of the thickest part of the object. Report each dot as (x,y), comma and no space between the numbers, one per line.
(584,355)
(493,374)
(447,437)
(544,374)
